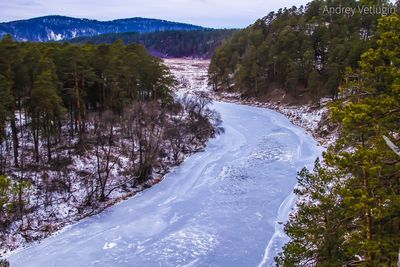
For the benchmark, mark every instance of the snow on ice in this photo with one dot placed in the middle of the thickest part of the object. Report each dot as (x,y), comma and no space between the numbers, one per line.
(222,207)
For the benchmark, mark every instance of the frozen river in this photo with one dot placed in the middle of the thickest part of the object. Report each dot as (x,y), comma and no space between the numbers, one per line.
(221,207)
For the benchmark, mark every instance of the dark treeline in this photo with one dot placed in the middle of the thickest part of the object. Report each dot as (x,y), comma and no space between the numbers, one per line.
(79,123)
(302,51)
(197,44)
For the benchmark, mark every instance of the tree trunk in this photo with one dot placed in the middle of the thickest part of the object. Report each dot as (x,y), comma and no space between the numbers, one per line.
(15,138)
(48,143)
(78,103)
(368,217)
(71,121)
(35,135)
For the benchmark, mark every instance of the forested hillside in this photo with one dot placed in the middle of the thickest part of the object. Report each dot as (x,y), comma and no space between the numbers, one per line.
(349,207)
(80,125)
(303,52)
(195,43)
(56,28)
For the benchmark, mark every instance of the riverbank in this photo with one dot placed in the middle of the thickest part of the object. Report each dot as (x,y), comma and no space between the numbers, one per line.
(196,216)
(315,120)
(84,180)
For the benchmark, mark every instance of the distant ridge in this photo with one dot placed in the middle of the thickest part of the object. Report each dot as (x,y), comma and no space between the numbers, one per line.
(57,28)
(176,44)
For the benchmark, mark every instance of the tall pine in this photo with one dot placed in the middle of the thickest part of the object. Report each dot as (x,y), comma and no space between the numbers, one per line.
(349,209)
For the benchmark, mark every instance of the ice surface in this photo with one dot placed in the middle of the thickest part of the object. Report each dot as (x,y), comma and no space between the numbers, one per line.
(221,207)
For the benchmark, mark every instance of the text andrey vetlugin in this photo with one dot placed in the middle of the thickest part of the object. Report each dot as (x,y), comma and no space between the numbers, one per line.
(364,10)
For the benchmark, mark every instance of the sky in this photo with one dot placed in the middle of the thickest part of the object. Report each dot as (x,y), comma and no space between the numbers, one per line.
(208,13)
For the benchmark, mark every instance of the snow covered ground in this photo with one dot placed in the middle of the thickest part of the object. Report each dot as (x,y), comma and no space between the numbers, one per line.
(306,116)
(221,207)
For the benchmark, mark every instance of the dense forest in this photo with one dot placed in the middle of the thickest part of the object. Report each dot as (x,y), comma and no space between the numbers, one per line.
(80,125)
(349,206)
(197,44)
(303,52)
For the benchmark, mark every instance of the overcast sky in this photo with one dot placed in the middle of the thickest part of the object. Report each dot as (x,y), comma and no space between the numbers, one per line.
(210,13)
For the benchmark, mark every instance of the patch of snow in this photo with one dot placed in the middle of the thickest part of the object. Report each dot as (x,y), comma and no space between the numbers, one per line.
(109,245)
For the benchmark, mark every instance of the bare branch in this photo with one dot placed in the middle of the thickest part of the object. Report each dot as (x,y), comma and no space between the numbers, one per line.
(392,146)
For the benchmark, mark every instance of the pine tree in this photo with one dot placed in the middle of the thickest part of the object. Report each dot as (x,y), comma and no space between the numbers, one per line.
(361,192)
(5,114)
(317,228)
(9,58)
(45,106)
(314,86)
(5,188)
